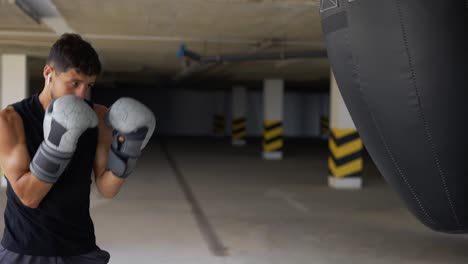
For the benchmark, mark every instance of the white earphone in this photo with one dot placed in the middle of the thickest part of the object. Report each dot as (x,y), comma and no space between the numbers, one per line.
(48,78)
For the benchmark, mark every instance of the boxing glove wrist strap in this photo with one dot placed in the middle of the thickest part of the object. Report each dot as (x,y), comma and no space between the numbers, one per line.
(119,165)
(48,164)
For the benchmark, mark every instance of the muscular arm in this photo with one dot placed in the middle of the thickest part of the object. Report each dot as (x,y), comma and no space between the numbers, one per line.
(107,183)
(14,159)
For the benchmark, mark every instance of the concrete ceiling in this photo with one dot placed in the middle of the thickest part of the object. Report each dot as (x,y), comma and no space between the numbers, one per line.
(13,23)
(143,36)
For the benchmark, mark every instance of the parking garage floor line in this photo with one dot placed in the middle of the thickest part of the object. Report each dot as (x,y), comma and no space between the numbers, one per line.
(206,229)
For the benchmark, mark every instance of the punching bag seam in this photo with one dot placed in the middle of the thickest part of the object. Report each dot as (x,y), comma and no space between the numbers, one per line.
(379,131)
(420,110)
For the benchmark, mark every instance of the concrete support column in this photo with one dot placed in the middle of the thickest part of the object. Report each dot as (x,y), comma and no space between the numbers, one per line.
(239,120)
(219,122)
(273,103)
(345,160)
(14,83)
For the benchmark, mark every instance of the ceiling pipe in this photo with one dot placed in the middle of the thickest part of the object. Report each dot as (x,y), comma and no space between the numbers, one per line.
(183,52)
(287,55)
(190,70)
(203,62)
(264,56)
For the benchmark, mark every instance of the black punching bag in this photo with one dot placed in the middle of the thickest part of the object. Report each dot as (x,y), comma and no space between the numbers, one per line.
(401,66)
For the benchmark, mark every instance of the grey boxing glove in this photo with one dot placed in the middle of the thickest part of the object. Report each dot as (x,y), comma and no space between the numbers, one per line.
(134,123)
(66,118)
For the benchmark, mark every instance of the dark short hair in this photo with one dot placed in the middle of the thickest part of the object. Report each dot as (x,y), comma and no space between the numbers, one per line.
(71,51)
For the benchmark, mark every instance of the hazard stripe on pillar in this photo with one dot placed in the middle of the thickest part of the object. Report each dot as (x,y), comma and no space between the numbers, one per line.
(324,125)
(272,136)
(218,124)
(345,159)
(239,128)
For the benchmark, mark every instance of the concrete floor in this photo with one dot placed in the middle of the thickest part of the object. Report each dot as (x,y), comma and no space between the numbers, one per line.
(262,212)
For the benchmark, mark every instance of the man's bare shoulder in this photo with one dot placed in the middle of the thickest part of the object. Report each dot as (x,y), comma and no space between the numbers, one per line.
(11,126)
(9,118)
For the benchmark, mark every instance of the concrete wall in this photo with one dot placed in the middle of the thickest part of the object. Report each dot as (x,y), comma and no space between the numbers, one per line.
(190,112)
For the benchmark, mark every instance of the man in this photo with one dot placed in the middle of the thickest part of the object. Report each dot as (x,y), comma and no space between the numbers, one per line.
(49,145)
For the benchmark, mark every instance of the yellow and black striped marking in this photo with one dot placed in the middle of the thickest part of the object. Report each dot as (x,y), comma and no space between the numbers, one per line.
(324,125)
(345,158)
(218,124)
(272,136)
(239,127)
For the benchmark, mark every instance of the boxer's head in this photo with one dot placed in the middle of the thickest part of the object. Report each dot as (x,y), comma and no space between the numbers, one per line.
(72,67)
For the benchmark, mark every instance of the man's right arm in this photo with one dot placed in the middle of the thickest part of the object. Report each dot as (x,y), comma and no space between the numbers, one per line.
(15,160)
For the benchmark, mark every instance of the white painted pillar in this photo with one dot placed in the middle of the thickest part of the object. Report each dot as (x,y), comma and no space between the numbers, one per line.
(219,116)
(14,79)
(345,160)
(239,111)
(14,83)
(273,103)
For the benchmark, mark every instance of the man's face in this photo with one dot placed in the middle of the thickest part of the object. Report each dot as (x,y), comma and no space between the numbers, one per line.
(70,82)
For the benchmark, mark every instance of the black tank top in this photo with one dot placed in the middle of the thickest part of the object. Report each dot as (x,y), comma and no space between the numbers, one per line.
(61,225)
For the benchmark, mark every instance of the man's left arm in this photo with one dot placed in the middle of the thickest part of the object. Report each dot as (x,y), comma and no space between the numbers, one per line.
(124,130)
(107,183)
